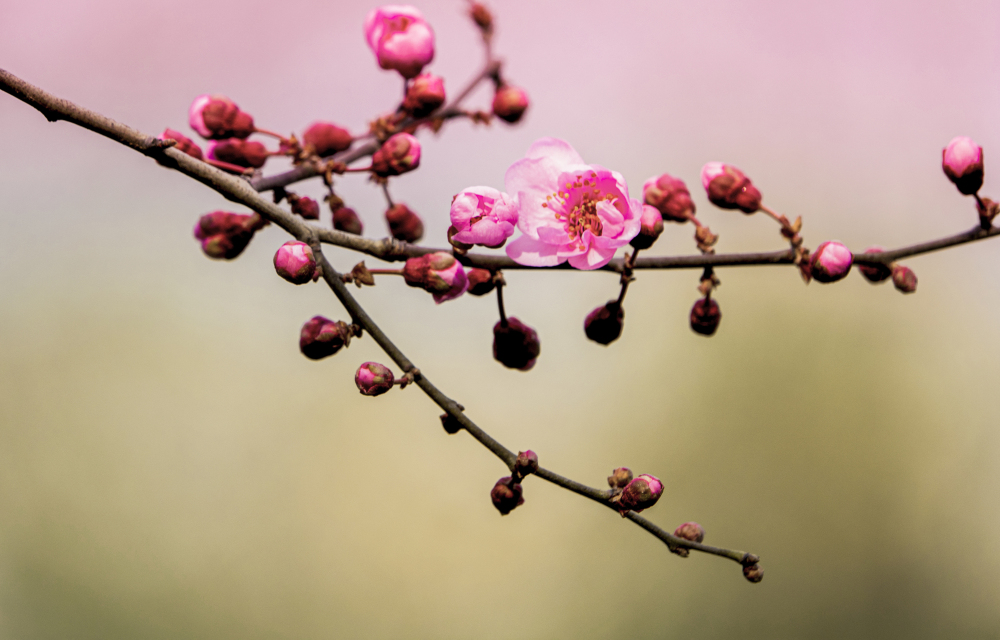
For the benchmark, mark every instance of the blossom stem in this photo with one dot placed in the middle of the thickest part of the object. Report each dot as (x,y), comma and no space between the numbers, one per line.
(267,132)
(780,219)
(388,198)
(226,166)
(386,272)
(503,315)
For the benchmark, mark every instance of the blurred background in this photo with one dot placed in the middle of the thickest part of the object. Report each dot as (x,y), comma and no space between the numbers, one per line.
(171,466)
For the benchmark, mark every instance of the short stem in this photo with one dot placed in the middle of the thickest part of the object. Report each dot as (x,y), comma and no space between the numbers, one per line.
(780,219)
(361,170)
(386,272)
(503,315)
(388,198)
(979,201)
(270,133)
(226,166)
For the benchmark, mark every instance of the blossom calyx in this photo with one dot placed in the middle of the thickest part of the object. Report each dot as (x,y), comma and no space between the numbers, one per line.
(225,235)
(670,196)
(875,272)
(603,325)
(620,478)
(218,117)
(404,224)
(705,316)
(373,379)
(641,493)
(399,154)
(510,103)
(690,531)
(242,153)
(506,495)
(515,344)
(651,227)
(438,273)
(481,281)
(728,188)
(346,219)
(526,463)
(962,161)
(483,216)
(424,95)
(294,261)
(904,279)
(326,139)
(322,337)
(184,143)
(830,262)
(400,38)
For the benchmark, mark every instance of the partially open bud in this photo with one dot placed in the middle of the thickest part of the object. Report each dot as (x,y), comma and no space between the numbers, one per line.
(399,154)
(728,188)
(670,196)
(294,261)
(506,495)
(526,463)
(904,279)
(242,153)
(603,325)
(962,161)
(480,281)
(322,337)
(450,424)
(326,138)
(404,224)
(225,235)
(620,478)
(510,103)
(651,226)
(754,573)
(345,219)
(373,379)
(705,316)
(218,117)
(424,95)
(306,207)
(830,262)
(483,216)
(875,273)
(690,531)
(641,493)
(515,344)
(184,143)
(400,38)
(438,273)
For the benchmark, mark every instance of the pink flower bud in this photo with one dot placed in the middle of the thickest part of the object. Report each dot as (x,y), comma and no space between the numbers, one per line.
(705,316)
(439,273)
(242,153)
(526,463)
(184,143)
(450,424)
(641,493)
(345,219)
(424,95)
(506,495)
(875,273)
(305,207)
(754,573)
(294,261)
(962,161)
(728,188)
(510,103)
(404,224)
(483,216)
(603,325)
(650,229)
(225,235)
(515,344)
(218,117)
(322,337)
(480,281)
(400,38)
(373,379)
(670,196)
(830,262)
(326,138)
(620,478)
(481,16)
(399,154)
(690,531)
(904,279)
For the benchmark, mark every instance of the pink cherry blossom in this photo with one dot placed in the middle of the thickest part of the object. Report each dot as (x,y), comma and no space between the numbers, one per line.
(484,216)
(568,210)
(400,38)
(439,273)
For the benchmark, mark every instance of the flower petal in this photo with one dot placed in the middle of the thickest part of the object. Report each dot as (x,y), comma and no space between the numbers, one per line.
(533,253)
(559,151)
(593,259)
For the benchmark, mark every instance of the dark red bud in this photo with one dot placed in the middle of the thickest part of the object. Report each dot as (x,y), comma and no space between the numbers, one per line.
(322,337)
(399,154)
(220,118)
(404,224)
(450,424)
(373,379)
(904,279)
(480,281)
(184,143)
(875,272)
(526,463)
(670,196)
(225,235)
(754,573)
(651,226)
(242,153)
(705,316)
(345,219)
(641,493)
(481,16)
(620,478)
(731,189)
(424,95)
(603,325)
(510,103)
(690,531)
(325,139)
(515,344)
(506,495)
(306,207)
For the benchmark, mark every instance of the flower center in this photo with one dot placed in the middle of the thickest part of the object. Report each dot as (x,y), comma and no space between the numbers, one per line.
(579,201)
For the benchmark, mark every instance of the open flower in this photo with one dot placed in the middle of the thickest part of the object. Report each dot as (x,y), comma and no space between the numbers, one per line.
(568,210)
(400,38)
(483,215)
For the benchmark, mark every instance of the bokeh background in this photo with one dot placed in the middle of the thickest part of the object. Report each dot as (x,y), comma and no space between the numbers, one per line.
(171,466)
